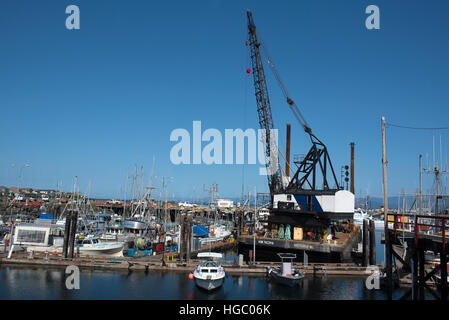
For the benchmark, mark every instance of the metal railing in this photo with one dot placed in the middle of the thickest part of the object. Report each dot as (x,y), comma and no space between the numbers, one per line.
(440,223)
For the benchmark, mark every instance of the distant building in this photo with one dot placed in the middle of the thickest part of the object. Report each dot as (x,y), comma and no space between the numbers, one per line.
(4,190)
(225,203)
(185,204)
(14,190)
(26,190)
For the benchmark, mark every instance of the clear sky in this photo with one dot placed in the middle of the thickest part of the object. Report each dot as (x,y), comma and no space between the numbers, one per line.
(91,102)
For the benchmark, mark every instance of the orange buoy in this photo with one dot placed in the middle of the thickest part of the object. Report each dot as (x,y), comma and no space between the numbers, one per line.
(191,276)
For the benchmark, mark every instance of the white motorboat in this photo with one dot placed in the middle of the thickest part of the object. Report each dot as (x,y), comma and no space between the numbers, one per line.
(85,246)
(209,275)
(91,246)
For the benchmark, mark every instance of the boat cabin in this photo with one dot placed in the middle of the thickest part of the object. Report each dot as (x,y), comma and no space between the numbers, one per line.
(84,241)
(287,260)
(208,267)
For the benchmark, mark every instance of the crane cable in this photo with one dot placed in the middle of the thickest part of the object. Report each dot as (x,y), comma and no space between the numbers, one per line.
(296,112)
(415,128)
(277,158)
(279,163)
(291,169)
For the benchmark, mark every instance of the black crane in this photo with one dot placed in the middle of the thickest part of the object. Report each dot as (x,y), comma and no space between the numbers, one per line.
(317,159)
(264,110)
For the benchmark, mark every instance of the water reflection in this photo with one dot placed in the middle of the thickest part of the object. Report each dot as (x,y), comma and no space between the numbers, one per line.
(48,283)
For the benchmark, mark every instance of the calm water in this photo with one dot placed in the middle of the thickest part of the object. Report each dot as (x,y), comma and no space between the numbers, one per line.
(49,283)
(380,251)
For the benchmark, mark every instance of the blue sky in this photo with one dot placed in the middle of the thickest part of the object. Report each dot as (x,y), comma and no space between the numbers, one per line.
(91,102)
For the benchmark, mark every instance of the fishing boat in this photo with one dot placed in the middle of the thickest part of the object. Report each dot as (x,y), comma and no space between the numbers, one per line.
(209,275)
(285,274)
(216,234)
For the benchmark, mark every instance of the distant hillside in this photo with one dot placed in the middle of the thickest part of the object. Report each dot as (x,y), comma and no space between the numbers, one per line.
(378,202)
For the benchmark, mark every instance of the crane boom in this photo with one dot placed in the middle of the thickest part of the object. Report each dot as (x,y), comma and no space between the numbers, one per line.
(263,107)
(317,157)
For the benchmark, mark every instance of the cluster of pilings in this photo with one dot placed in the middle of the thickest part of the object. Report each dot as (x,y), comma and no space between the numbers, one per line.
(419,242)
(71,220)
(419,276)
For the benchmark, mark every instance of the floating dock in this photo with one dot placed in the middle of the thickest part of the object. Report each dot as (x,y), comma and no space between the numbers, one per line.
(337,250)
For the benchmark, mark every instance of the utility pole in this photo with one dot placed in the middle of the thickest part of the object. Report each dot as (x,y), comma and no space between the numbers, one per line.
(420,184)
(386,232)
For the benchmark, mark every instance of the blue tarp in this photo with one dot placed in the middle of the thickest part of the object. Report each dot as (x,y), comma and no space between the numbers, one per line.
(200,231)
(46,216)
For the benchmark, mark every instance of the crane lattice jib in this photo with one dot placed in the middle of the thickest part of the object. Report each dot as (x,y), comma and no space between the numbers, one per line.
(263,104)
(317,160)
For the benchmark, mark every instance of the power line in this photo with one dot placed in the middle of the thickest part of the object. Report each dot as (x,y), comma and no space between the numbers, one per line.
(415,128)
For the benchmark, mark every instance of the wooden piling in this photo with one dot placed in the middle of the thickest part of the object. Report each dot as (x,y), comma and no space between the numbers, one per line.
(189,225)
(372,243)
(183,242)
(68,221)
(365,250)
(73,233)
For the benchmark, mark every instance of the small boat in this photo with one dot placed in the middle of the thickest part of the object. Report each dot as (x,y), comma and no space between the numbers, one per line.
(360,215)
(91,245)
(285,274)
(209,275)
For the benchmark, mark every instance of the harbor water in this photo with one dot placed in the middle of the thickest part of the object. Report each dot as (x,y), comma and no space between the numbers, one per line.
(26,282)
(49,283)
